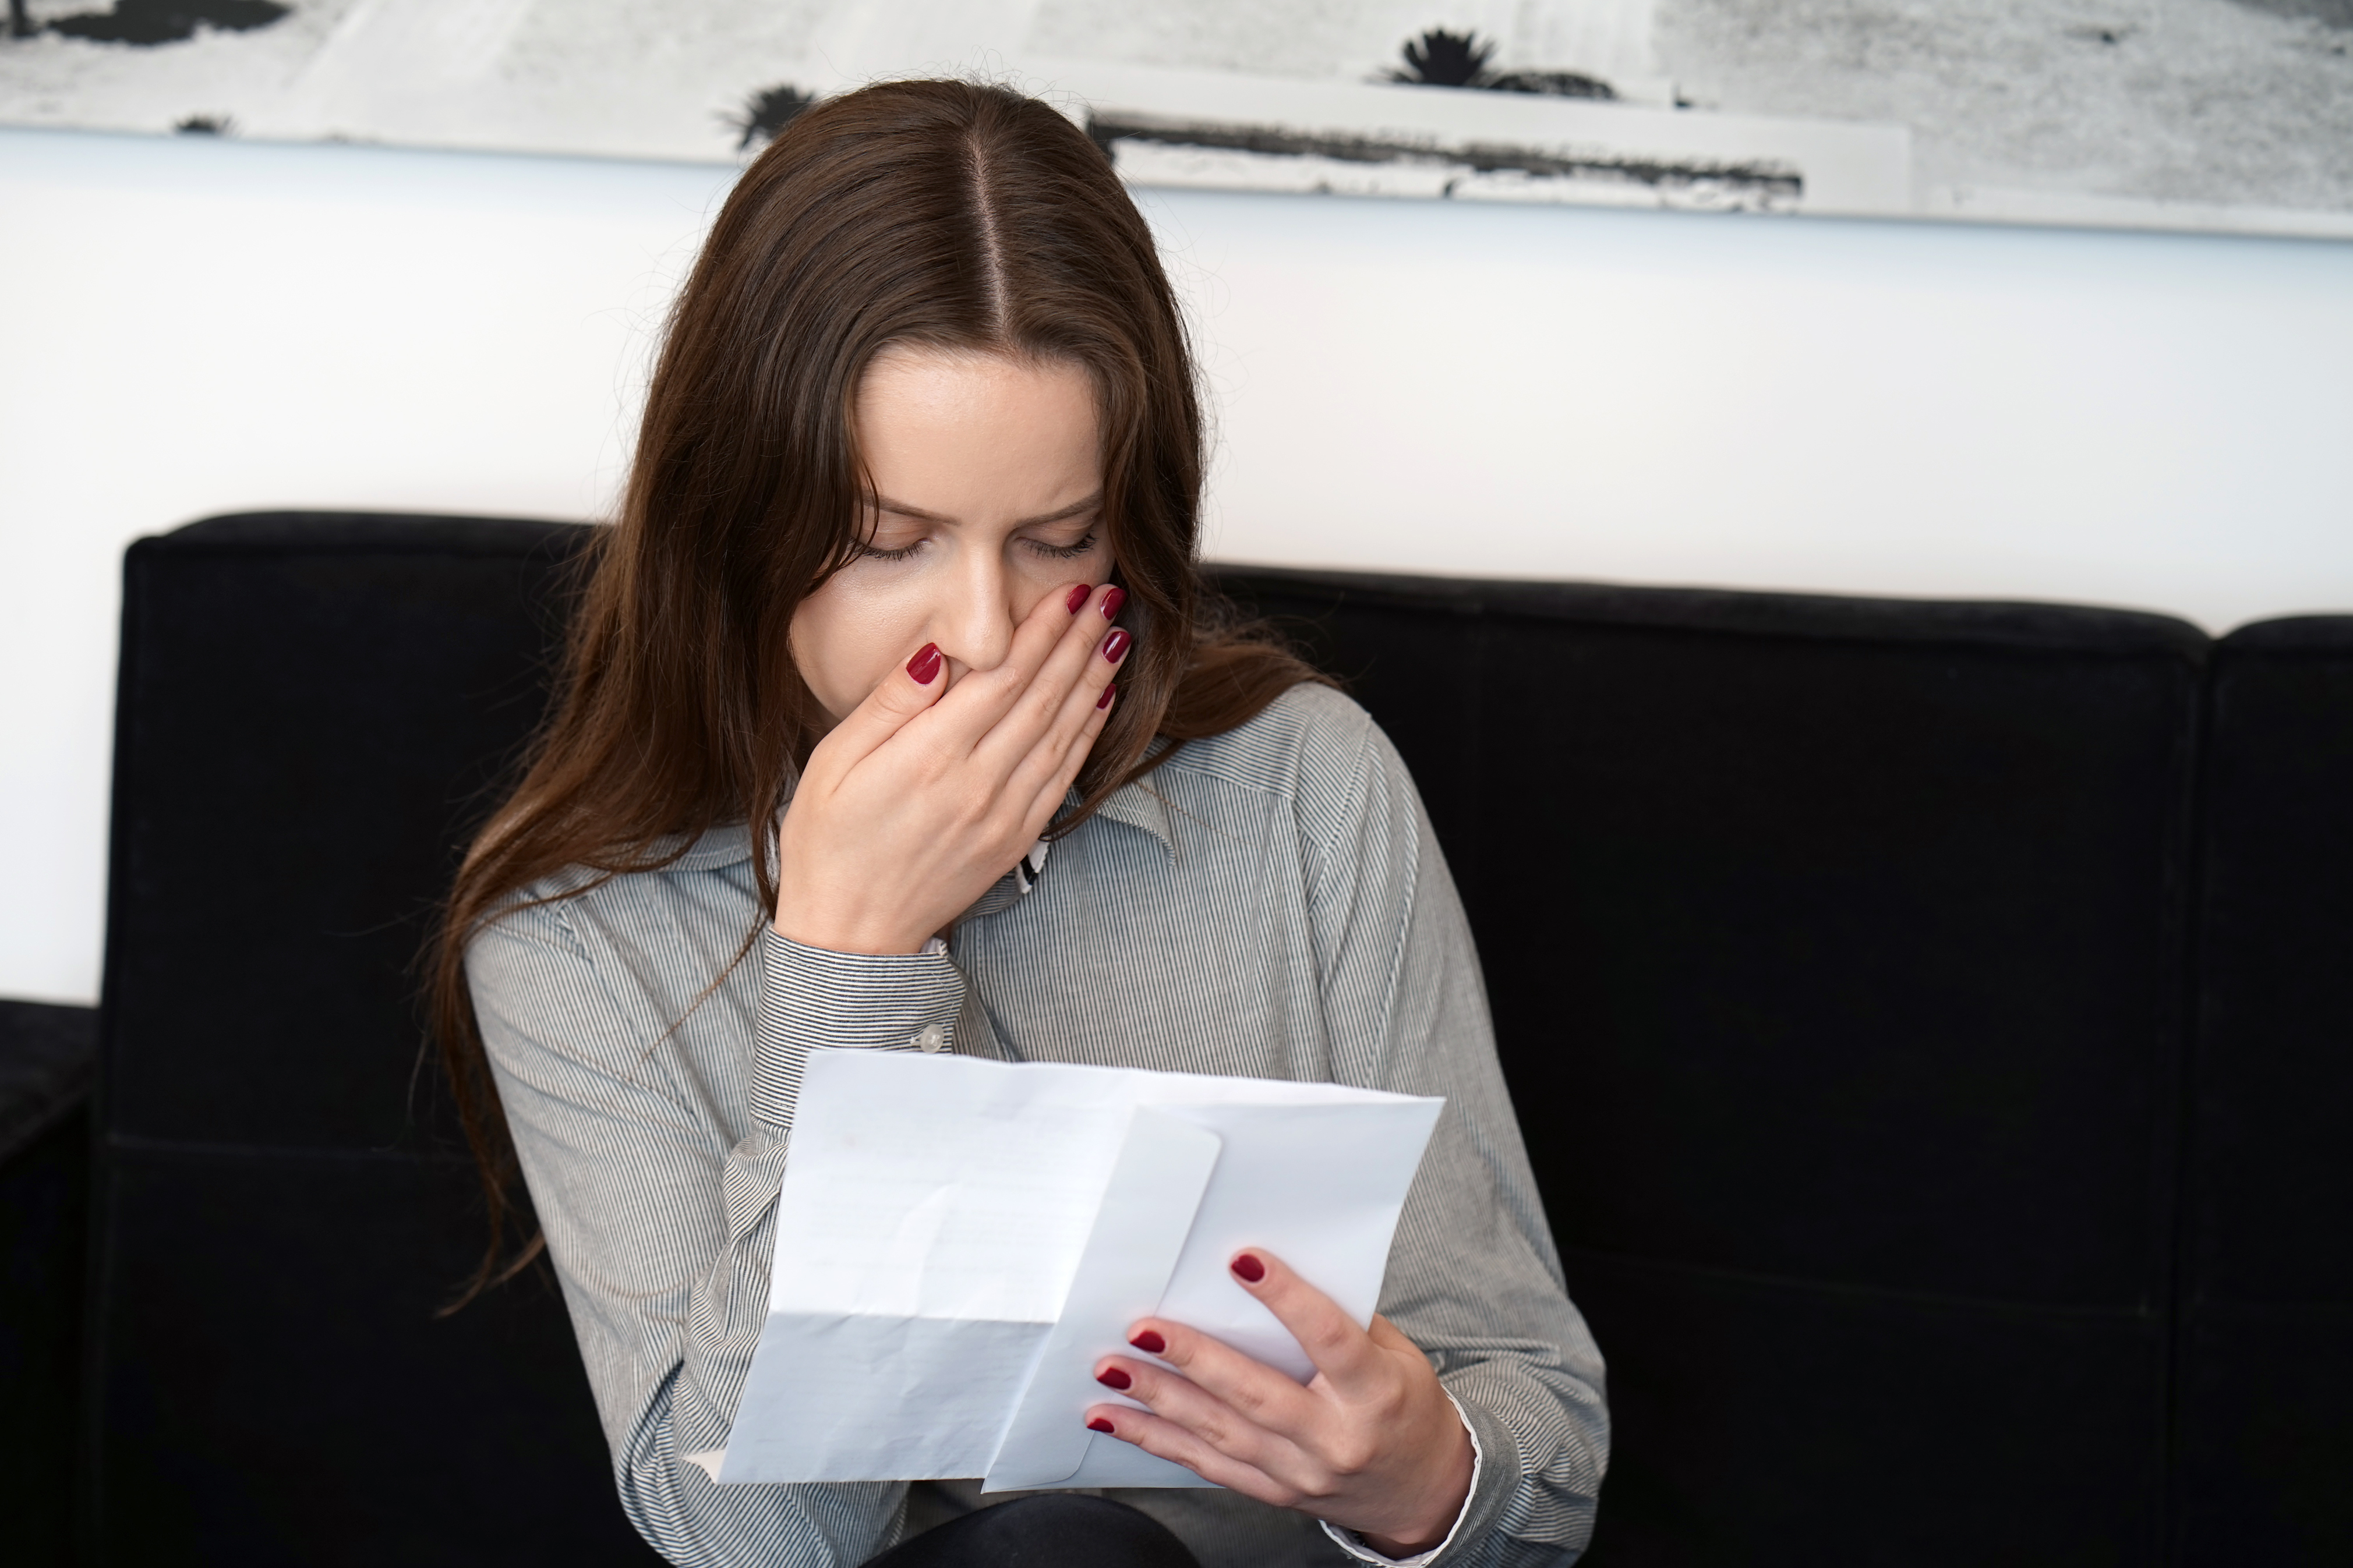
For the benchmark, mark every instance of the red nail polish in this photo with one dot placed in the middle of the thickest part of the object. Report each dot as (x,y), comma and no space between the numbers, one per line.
(1149,1342)
(1248,1269)
(1109,692)
(1099,1424)
(924,664)
(1078,597)
(1116,644)
(1112,1377)
(1113,601)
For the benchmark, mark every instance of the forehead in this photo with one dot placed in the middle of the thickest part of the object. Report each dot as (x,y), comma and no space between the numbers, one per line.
(928,395)
(974,438)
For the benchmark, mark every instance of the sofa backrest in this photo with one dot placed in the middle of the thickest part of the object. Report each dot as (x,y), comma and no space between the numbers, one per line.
(1843,955)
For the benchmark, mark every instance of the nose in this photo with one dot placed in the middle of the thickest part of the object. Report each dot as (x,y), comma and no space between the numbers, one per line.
(976,616)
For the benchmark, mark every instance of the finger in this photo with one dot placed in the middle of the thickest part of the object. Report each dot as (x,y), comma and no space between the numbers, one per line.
(1033,715)
(1238,1431)
(1045,776)
(1052,794)
(905,692)
(1344,1354)
(1157,1435)
(1258,1393)
(1089,698)
(984,699)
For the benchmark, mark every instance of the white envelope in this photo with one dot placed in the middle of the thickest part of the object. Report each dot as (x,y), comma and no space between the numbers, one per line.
(959,1241)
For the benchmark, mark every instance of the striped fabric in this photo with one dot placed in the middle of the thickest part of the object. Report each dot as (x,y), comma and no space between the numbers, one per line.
(1272,904)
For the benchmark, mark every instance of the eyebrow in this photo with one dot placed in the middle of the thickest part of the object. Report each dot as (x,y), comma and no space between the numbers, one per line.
(883,503)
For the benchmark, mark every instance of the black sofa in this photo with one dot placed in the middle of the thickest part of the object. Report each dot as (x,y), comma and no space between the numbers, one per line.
(1932,1023)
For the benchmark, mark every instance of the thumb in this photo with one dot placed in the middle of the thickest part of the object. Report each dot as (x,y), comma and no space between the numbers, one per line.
(898,698)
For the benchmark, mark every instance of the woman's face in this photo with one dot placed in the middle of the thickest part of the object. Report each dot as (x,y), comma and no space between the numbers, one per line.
(988,479)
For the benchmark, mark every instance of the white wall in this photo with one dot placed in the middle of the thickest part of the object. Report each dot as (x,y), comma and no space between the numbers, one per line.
(190,326)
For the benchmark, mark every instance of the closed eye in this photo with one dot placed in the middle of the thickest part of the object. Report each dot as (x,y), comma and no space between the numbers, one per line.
(1062,552)
(876,552)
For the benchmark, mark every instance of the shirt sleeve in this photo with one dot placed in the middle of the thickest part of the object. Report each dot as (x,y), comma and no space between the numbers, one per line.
(661,1230)
(1473,1280)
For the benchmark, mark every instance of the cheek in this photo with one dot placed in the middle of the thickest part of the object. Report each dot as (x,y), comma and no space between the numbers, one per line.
(844,643)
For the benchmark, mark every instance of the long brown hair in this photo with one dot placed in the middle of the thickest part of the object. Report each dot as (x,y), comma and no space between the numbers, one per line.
(938,214)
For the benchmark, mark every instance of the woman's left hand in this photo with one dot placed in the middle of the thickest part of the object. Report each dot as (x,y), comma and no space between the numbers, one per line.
(1372,1445)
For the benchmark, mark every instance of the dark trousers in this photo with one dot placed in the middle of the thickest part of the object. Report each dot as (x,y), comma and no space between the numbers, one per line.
(1051,1530)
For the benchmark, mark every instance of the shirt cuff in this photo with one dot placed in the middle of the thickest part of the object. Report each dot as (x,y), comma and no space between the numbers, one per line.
(1353,1545)
(810,998)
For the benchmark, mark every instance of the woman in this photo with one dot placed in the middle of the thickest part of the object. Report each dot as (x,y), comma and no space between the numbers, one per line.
(902,589)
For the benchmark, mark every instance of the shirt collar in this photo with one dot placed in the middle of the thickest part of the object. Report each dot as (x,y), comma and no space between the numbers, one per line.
(721,846)
(1137,805)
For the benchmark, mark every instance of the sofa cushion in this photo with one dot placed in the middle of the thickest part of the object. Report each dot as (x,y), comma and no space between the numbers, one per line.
(1836,953)
(2266,1410)
(314,710)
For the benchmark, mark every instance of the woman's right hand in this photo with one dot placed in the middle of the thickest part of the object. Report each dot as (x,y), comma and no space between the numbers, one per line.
(925,795)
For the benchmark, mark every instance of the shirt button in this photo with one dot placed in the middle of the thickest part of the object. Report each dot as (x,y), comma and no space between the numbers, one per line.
(931,1038)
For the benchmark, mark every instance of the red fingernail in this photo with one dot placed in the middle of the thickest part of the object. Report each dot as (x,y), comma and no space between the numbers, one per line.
(924,664)
(1099,1424)
(1248,1269)
(1149,1342)
(1116,644)
(1078,596)
(1109,692)
(1112,1377)
(1113,601)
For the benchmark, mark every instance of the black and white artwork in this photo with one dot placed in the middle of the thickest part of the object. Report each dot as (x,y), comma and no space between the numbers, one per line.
(2230,115)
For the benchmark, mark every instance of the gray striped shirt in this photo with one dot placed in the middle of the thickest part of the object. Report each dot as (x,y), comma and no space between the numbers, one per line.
(1268,902)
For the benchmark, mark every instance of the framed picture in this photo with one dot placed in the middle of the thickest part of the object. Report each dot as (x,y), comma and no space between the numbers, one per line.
(2223,115)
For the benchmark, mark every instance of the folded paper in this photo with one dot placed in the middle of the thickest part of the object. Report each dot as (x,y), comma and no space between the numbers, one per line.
(959,1242)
